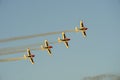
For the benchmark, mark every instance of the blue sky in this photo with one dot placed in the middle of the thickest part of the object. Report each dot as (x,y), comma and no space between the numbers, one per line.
(97,54)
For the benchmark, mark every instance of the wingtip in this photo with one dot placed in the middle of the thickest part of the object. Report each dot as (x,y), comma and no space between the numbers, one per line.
(81,21)
(33,63)
(63,32)
(46,40)
(28,49)
(67,47)
(84,36)
(50,54)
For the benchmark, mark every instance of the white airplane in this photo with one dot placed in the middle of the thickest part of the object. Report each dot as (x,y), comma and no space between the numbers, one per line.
(46,47)
(30,56)
(82,29)
(64,39)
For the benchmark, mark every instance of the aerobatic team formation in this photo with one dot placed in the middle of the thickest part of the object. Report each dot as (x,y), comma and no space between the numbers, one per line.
(46,46)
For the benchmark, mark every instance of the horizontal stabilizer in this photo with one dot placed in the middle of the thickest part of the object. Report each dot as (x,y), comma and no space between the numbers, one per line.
(42,48)
(59,40)
(76,29)
(25,57)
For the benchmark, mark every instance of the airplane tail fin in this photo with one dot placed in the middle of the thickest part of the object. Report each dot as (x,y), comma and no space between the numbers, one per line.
(42,48)
(59,39)
(25,57)
(76,29)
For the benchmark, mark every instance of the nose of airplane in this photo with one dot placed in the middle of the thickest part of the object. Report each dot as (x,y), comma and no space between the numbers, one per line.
(50,47)
(33,55)
(68,39)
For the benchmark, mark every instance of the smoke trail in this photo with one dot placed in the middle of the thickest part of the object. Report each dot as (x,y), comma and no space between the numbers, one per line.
(32,36)
(12,52)
(103,77)
(17,51)
(11,59)
(21,49)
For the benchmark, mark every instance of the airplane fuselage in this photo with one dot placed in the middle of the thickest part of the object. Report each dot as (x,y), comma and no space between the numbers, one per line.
(48,47)
(31,55)
(83,28)
(66,39)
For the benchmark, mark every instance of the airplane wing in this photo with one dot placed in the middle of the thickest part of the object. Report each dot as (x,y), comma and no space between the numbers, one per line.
(84,34)
(49,51)
(81,24)
(63,35)
(46,43)
(31,60)
(66,44)
(28,51)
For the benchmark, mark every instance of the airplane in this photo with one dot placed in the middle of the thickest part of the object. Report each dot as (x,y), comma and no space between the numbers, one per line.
(30,56)
(82,29)
(46,47)
(64,39)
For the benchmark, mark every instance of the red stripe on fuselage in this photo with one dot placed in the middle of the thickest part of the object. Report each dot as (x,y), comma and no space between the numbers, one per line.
(48,47)
(66,39)
(31,55)
(83,28)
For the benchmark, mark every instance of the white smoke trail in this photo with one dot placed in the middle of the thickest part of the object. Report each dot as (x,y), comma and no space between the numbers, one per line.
(21,49)
(103,77)
(33,36)
(18,51)
(12,59)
